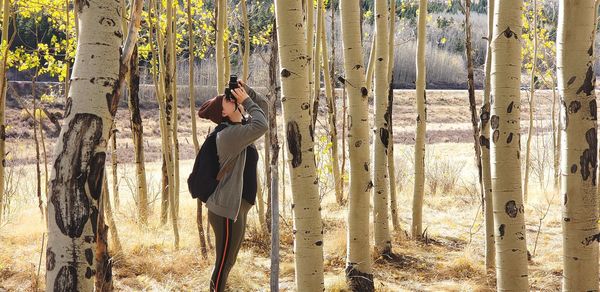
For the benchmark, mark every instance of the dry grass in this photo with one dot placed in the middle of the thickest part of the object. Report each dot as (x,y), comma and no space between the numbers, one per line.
(452,259)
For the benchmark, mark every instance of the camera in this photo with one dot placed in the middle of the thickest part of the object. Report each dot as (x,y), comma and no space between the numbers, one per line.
(233,84)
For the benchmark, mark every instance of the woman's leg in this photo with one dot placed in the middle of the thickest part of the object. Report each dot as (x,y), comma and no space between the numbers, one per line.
(223,232)
(228,240)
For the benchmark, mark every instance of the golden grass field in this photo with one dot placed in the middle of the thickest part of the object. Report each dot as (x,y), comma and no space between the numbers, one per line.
(451,260)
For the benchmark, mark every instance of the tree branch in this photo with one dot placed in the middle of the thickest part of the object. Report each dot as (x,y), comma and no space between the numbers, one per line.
(132,31)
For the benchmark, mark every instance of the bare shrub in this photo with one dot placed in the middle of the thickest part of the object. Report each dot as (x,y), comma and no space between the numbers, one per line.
(441,173)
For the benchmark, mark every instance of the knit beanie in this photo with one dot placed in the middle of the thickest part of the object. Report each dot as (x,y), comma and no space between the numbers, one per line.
(212,109)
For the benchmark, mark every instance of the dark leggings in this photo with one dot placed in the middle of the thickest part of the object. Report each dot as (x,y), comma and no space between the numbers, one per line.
(228,240)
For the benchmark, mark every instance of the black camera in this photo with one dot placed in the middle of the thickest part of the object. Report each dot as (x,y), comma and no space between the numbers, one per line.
(233,84)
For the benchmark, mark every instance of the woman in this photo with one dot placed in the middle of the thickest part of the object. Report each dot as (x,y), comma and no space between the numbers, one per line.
(235,194)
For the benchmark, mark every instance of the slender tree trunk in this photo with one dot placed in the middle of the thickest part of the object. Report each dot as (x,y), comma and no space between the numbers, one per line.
(98,76)
(370,64)
(331,112)
(419,190)
(4,45)
(221,16)
(115,177)
(309,13)
(383,241)
(274,169)
(116,243)
(471,90)
(260,208)
(484,144)
(246,58)
(359,273)
(555,137)
(390,111)
(38,171)
(576,80)
(509,215)
(267,180)
(531,104)
(308,237)
(316,70)
(172,117)
(137,134)
(103,281)
(67,47)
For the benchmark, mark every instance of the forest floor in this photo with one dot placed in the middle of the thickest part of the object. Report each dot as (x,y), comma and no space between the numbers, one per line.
(452,259)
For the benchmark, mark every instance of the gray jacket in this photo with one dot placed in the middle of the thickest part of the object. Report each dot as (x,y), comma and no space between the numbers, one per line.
(231,146)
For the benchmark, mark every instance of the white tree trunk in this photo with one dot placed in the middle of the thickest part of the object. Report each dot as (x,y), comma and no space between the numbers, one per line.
(509,215)
(4,46)
(359,273)
(308,235)
(80,153)
(576,80)
(383,241)
(484,143)
(419,189)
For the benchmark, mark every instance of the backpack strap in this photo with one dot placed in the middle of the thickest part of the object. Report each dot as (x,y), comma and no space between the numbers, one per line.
(225,170)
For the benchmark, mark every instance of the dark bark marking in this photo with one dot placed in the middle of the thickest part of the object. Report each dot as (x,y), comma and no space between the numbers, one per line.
(509,139)
(357,143)
(384,135)
(357,67)
(68,106)
(94,219)
(319,243)
(369,186)
(565,199)
(495,136)
(364,91)
(508,33)
(96,174)
(511,209)
(68,192)
(574,168)
(591,50)
(89,256)
(590,239)
(495,122)
(510,107)
(107,21)
(588,84)
(88,273)
(294,141)
(520,235)
(593,109)
(305,106)
(571,80)
(588,159)
(574,106)
(565,115)
(66,280)
(50,259)
(484,142)
(366,166)
(485,115)
(501,230)
(567,219)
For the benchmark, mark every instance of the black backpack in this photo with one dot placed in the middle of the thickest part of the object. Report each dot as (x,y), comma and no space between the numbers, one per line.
(205,175)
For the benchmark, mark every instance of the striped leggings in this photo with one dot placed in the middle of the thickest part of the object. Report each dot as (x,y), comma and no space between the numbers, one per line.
(228,240)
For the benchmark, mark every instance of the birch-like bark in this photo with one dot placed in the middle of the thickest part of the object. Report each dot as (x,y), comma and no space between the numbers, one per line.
(576,85)
(331,113)
(294,65)
(484,144)
(137,134)
(101,64)
(383,241)
(359,271)
(531,104)
(390,111)
(4,46)
(509,211)
(421,124)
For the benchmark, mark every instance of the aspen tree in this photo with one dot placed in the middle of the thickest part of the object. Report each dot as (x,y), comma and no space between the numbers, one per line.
(576,85)
(359,271)
(308,228)
(99,70)
(419,188)
(383,241)
(509,215)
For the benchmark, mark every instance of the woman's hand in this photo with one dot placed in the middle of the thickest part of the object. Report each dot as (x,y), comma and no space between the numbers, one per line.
(240,93)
